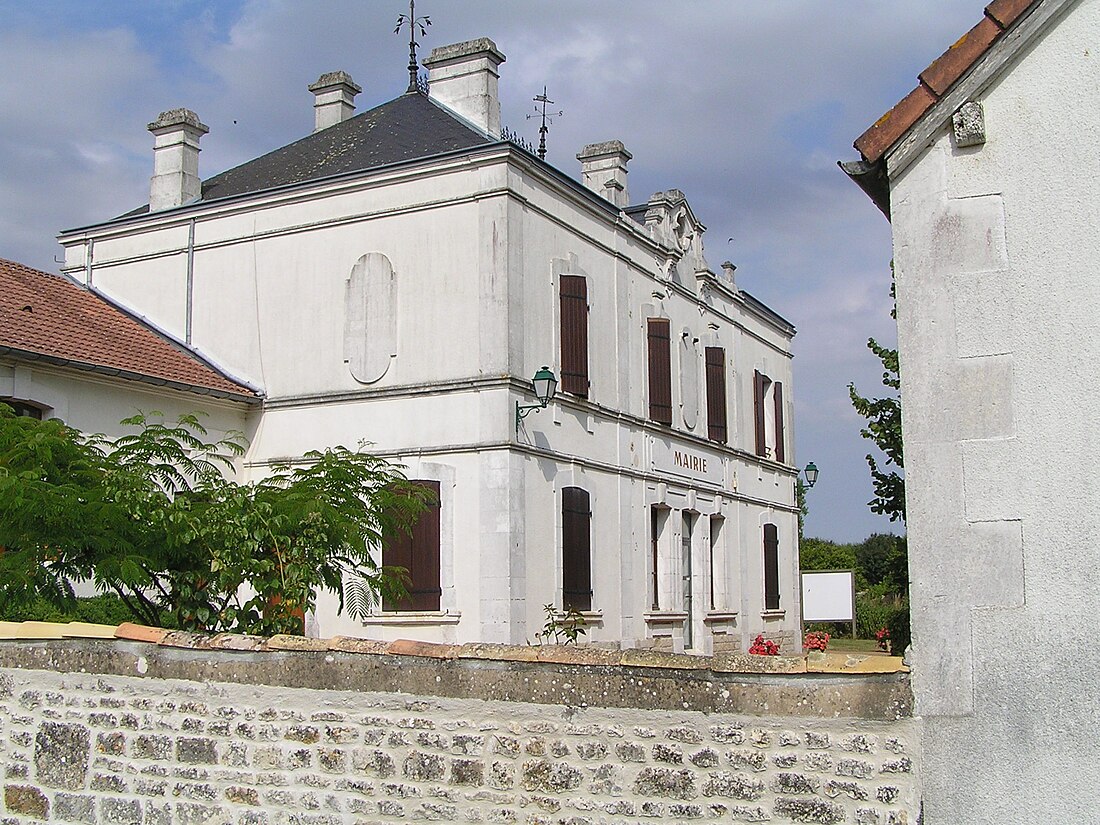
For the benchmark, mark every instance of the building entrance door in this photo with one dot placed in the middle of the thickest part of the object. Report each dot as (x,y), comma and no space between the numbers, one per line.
(689,640)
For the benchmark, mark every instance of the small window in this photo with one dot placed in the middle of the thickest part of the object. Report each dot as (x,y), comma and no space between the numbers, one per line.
(23,408)
(717,563)
(660,370)
(576,549)
(574,335)
(418,552)
(657,518)
(715,358)
(768,415)
(771,567)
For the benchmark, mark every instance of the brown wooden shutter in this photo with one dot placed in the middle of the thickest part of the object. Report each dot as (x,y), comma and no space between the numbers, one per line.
(660,370)
(574,335)
(758,388)
(780,452)
(715,359)
(418,552)
(771,567)
(576,517)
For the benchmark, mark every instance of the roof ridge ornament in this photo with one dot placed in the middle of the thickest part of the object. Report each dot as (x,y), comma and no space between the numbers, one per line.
(547,120)
(414,23)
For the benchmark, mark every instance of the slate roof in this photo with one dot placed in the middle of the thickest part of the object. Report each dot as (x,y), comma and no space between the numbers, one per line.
(49,318)
(406,128)
(940,76)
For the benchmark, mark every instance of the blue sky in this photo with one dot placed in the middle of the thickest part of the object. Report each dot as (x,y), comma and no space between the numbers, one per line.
(744,105)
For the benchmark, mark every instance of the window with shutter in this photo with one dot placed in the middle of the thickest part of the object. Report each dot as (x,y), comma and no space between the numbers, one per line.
(576,549)
(759,391)
(660,370)
(574,335)
(780,451)
(771,567)
(715,359)
(418,552)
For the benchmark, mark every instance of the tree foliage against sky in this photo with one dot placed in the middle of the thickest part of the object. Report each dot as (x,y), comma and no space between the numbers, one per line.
(884,429)
(152,517)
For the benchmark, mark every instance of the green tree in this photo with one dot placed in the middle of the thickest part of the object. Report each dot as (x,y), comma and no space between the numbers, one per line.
(884,429)
(822,554)
(882,559)
(153,518)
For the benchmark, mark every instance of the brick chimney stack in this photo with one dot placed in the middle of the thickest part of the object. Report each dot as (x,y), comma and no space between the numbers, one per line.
(603,170)
(175,178)
(333,99)
(463,77)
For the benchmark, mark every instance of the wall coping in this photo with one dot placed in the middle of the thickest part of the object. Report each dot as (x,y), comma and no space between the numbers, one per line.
(866,687)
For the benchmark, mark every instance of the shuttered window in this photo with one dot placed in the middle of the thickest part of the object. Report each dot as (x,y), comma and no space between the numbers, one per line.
(771,567)
(660,370)
(759,391)
(715,359)
(418,552)
(574,335)
(576,549)
(780,452)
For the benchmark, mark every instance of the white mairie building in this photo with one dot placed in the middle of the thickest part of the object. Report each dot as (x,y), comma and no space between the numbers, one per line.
(399,275)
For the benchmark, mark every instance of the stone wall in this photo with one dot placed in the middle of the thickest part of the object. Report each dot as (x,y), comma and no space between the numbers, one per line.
(122,732)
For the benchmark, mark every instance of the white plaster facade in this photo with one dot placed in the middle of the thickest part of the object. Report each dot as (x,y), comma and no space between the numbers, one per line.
(408,305)
(995,250)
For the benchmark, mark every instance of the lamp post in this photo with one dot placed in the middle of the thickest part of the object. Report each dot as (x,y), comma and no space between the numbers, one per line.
(545,384)
(811,474)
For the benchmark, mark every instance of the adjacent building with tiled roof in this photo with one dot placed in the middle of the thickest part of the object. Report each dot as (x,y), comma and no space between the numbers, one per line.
(49,319)
(989,173)
(399,276)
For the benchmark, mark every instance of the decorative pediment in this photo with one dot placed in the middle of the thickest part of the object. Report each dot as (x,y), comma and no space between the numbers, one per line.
(672,223)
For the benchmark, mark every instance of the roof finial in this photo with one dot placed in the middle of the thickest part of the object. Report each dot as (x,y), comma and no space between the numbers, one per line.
(414,24)
(546,119)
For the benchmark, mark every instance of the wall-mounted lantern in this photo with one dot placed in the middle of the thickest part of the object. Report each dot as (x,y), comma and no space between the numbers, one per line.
(545,384)
(811,474)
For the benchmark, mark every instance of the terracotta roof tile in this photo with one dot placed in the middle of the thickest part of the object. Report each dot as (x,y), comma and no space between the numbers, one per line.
(48,316)
(887,129)
(1005,12)
(953,63)
(939,77)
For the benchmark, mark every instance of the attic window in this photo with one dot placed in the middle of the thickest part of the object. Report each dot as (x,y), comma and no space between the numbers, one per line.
(23,408)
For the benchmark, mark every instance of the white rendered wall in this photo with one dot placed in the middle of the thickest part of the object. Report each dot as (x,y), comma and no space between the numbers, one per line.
(995,251)
(475,250)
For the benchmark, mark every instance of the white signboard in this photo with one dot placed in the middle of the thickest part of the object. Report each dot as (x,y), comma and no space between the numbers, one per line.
(828,596)
(689,462)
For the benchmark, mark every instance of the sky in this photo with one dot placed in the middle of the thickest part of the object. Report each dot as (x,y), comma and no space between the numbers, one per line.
(744,105)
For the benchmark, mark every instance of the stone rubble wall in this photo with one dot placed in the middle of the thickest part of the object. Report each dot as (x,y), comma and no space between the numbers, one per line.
(94,732)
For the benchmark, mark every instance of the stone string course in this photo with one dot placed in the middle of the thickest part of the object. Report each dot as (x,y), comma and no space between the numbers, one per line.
(103,747)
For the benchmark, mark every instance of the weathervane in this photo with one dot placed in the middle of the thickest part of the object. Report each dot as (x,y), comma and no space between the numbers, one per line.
(543,99)
(414,23)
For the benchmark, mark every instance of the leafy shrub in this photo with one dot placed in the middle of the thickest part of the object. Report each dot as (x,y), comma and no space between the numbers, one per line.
(899,631)
(95,609)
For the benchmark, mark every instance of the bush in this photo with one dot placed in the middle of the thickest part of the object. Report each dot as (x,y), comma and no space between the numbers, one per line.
(95,609)
(872,614)
(899,631)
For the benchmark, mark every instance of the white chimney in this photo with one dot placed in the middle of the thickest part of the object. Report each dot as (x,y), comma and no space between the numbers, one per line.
(463,77)
(333,99)
(175,178)
(603,170)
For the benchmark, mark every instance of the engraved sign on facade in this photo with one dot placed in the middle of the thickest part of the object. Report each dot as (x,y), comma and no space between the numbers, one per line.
(687,461)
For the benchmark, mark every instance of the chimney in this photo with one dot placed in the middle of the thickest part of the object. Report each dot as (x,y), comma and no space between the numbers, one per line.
(603,170)
(333,99)
(175,178)
(463,77)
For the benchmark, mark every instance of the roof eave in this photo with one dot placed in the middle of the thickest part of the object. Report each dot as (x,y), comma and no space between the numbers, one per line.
(872,179)
(129,375)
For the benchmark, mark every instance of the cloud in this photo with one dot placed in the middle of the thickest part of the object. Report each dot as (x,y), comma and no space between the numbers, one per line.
(744,106)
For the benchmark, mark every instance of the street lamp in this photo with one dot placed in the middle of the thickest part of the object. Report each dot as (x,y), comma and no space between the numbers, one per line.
(811,474)
(545,384)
